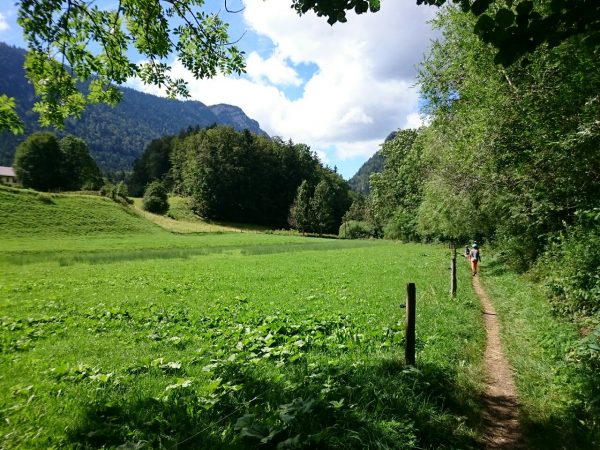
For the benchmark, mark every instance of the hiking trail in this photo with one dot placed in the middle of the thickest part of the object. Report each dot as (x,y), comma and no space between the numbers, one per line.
(502,430)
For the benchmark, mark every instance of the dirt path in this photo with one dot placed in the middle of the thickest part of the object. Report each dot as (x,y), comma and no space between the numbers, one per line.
(502,429)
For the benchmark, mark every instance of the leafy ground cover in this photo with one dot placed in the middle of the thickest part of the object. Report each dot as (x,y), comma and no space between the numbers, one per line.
(240,340)
(559,393)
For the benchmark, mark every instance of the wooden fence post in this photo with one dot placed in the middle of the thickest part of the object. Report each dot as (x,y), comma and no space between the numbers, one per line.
(453,272)
(409,350)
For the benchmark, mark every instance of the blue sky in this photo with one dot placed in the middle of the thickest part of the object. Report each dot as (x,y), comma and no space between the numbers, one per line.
(339,89)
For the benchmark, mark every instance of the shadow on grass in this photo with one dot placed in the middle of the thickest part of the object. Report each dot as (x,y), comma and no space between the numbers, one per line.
(377,405)
(577,428)
(115,256)
(495,268)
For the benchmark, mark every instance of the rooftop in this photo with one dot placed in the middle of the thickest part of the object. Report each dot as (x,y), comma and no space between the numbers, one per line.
(7,172)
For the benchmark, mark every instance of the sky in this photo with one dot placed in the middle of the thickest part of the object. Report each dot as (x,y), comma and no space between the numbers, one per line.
(340,89)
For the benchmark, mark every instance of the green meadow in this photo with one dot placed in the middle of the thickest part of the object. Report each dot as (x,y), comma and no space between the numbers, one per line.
(117,333)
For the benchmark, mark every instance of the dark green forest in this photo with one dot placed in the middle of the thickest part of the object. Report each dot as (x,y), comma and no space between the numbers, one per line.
(116,136)
(246,178)
(45,163)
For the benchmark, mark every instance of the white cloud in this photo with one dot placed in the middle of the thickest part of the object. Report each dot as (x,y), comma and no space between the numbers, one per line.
(414,120)
(274,69)
(361,149)
(3,23)
(363,87)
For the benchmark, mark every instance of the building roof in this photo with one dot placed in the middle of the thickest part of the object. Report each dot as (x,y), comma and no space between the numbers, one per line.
(7,172)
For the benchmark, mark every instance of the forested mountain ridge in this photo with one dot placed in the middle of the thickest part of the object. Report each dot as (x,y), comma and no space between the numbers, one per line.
(116,136)
(360,181)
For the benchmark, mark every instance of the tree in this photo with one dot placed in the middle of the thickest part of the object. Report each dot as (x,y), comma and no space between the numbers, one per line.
(515,28)
(335,10)
(301,217)
(38,162)
(155,198)
(9,119)
(154,164)
(241,177)
(515,149)
(322,207)
(396,191)
(44,163)
(80,170)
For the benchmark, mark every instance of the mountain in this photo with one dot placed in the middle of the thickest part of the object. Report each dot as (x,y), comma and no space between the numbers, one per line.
(360,181)
(116,136)
(234,116)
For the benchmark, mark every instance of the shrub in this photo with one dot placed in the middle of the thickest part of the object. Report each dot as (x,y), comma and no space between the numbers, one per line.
(45,198)
(155,198)
(570,268)
(401,226)
(355,229)
(117,193)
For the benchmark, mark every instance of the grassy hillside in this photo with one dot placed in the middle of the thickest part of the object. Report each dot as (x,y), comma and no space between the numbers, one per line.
(31,214)
(180,219)
(38,227)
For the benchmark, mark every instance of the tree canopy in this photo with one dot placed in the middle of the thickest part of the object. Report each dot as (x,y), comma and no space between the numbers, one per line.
(38,161)
(514,27)
(239,176)
(510,156)
(44,163)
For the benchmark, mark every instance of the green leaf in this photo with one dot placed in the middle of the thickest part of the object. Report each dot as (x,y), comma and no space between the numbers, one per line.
(505,17)
(9,119)
(484,24)
(524,8)
(480,6)
(244,421)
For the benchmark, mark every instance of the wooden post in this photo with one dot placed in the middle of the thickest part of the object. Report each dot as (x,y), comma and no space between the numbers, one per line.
(453,272)
(409,350)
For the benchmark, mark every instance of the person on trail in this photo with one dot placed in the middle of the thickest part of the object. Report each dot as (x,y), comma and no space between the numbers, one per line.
(467,251)
(475,257)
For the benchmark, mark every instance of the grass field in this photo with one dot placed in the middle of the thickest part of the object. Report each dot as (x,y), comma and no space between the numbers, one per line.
(116,333)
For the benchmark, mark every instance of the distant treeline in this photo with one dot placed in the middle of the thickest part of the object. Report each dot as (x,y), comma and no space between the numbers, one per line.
(240,177)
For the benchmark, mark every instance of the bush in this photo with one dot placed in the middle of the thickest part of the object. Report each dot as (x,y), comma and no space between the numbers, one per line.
(155,198)
(45,198)
(355,229)
(117,193)
(402,226)
(570,268)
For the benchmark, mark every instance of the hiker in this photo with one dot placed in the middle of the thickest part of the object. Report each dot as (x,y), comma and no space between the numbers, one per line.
(467,251)
(475,258)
